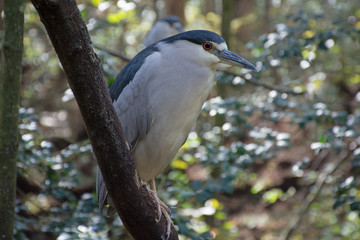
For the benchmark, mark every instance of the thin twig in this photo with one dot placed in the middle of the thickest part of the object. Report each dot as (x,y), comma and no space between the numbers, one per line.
(311,197)
(111,52)
(264,85)
(267,86)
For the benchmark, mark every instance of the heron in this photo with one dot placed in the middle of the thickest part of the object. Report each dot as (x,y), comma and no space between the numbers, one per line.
(163,28)
(158,96)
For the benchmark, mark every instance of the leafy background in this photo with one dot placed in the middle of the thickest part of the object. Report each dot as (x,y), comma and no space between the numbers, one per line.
(273,161)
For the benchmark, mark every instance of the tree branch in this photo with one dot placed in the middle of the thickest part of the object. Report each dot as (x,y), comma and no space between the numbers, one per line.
(250,81)
(111,52)
(68,34)
(267,86)
(311,197)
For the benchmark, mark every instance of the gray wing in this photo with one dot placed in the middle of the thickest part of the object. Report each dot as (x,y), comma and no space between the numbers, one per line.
(101,191)
(102,195)
(132,110)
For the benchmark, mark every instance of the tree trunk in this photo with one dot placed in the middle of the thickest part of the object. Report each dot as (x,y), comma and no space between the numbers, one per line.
(208,6)
(243,9)
(227,16)
(1,9)
(177,8)
(68,33)
(266,16)
(1,25)
(10,76)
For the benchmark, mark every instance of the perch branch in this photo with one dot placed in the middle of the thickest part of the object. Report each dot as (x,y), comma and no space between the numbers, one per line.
(71,41)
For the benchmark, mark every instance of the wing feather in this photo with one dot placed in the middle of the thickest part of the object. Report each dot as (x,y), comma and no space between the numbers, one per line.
(131,106)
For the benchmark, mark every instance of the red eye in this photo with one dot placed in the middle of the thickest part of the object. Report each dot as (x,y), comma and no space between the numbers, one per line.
(207,45)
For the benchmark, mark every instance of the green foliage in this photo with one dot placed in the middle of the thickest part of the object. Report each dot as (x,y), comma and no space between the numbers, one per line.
(252,149)
(72,217)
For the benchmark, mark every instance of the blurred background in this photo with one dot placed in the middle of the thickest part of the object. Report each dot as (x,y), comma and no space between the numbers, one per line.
(274,154)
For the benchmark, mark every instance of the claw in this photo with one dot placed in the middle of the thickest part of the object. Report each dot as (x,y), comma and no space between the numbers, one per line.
(168,224)
(162,209)
(158,204)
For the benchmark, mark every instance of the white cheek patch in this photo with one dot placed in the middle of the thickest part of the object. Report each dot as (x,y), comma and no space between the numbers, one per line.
(222,46)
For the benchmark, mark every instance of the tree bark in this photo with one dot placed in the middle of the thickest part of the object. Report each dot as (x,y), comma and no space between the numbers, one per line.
(10,77)
(243,9)
(177,8)
(69,36)
(1,23)
(227,16)
(266,17)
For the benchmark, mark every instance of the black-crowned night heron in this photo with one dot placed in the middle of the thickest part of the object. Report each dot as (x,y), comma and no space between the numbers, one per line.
(159,95)
(163,28)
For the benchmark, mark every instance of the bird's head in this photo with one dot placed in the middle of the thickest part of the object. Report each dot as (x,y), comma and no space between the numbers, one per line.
(174,24)
(163,28)
(207,47)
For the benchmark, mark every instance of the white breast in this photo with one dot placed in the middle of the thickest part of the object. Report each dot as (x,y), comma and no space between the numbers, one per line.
(177,95)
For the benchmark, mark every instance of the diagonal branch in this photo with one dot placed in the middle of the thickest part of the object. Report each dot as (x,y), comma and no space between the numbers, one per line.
(279,89)
(113,53)
(250,81)
(311,197)
(70,38)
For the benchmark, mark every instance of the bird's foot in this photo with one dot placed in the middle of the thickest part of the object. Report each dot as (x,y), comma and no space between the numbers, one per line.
(139,183)
(162,210)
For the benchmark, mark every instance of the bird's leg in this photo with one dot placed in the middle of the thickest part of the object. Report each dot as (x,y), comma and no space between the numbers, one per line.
(160,203)
(156,198)
(162,208)
(139,183)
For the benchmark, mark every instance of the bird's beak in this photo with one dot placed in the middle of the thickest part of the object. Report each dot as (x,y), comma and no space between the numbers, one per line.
(232,59)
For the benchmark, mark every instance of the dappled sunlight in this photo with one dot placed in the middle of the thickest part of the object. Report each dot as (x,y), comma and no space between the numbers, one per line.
(274,154)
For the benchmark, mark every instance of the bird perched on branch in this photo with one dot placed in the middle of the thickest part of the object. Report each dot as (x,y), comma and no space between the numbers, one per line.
(158,96)
(163,28)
